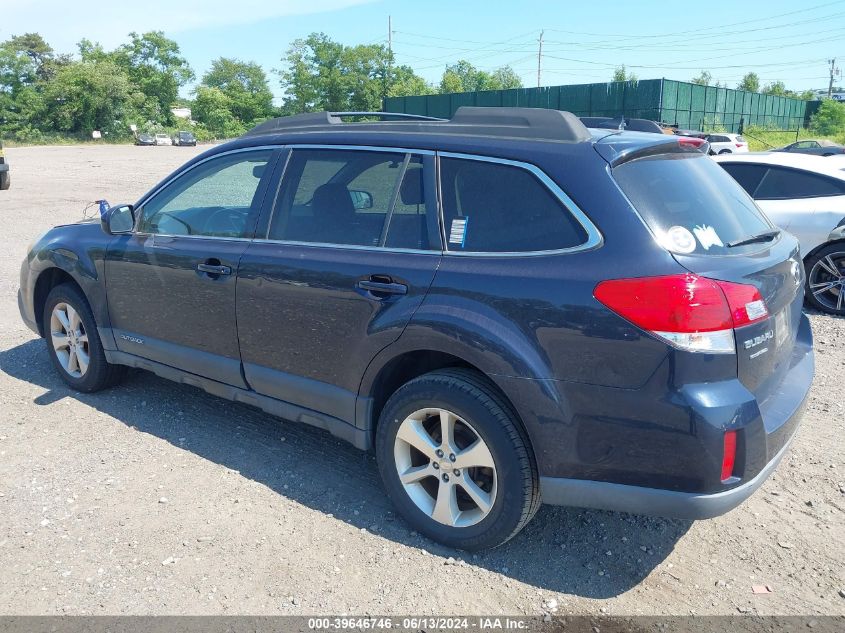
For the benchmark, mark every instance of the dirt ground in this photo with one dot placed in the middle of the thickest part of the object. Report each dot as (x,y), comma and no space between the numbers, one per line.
(156,498)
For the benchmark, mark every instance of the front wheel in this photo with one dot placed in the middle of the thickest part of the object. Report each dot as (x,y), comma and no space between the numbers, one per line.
(73,343)
(5,180)
(826,279)
(455,461)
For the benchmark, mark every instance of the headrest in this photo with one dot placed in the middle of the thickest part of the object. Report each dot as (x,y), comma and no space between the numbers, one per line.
(332,200)
(412,191)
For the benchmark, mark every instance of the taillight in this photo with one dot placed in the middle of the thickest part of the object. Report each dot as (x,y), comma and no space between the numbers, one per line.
(729,455)
(691,141)
(740,144)
(690,312)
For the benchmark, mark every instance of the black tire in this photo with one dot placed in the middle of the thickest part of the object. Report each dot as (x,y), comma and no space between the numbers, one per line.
(99,374)
(468,395)
(821,289)
(5,180)
(725,151)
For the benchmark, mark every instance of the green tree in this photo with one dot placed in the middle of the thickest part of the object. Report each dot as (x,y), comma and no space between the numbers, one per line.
(85,96)
(37,50)
(829,119)
(464,77)
(750,82)
(322,74)
(704,78)
(621,74)
(213,110)
(154,64)
(21,103)
(407,83)
(245,85)
(776,88)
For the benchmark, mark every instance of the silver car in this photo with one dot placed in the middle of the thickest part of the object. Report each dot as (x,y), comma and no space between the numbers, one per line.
(804,195)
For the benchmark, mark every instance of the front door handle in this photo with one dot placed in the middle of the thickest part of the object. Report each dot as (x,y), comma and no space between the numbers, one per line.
(378,287)
(214,269)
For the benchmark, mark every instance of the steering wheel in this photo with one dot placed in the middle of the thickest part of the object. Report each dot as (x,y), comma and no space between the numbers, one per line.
(232,220)
(172,218)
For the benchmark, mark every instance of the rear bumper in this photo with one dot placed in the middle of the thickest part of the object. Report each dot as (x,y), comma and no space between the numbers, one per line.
(601,495)
(765,439)
(4,167)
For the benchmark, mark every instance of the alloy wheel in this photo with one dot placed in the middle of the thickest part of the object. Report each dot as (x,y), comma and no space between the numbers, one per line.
(445,467)
(827,281)
(70,340)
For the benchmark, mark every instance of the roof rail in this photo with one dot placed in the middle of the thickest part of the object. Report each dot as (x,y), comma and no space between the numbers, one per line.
(532,123)
(390,115)
(320,119)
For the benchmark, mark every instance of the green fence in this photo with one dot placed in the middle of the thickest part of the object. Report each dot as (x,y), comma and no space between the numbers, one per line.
(687,105)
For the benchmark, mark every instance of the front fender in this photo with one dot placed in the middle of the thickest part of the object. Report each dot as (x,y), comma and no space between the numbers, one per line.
(77,251)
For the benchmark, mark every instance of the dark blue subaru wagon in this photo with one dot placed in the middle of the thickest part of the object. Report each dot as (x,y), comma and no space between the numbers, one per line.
(507,307)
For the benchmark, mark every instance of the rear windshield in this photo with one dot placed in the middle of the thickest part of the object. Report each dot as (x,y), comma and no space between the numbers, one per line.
(691,204)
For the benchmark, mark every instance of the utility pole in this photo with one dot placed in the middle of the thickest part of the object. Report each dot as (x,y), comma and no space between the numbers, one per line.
(389,56)
(540,60)
(832,63)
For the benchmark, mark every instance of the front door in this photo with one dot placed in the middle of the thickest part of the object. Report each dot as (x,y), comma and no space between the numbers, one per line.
(351,250)
(171,283)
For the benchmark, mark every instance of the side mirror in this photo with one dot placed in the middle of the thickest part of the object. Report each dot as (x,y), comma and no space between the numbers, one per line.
(118,220)
(361,199)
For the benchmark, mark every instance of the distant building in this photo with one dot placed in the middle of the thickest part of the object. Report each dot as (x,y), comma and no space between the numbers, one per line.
(181,113)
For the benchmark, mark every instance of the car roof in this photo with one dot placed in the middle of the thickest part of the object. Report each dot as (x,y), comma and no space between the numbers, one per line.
(523,123)
(808,162)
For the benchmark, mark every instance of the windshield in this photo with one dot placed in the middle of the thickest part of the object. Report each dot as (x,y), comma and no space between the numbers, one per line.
(691,204)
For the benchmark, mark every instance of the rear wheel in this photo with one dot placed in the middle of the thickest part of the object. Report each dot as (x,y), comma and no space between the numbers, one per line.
(826,279)
(73,344)
(725,151)
(5,180)
(455,462)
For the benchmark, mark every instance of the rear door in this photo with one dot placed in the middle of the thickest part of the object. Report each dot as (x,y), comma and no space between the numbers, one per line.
(346,258)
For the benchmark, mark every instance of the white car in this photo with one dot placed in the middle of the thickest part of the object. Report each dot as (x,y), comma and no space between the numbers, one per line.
(163,139)
(804,195)
(727,143)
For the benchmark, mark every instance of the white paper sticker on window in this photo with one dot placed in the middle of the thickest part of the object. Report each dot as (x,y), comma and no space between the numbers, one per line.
(707,236)
(458,231)
(679,240)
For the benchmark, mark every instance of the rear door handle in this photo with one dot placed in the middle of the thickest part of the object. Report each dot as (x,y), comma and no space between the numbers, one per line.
(382,287)
(214,269)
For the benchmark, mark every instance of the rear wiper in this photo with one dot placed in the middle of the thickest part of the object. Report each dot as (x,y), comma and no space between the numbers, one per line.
(765,236)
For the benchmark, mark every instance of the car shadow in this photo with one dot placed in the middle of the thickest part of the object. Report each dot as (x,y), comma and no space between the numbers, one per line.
(587,553)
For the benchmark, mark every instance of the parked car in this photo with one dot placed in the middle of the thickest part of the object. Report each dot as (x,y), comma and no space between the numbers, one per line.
(163,139)
(185,138)
(804,195)
(5,178)
(820,147)
(618,123)
(721,143)
(145,139)
(642,349)
(638,125)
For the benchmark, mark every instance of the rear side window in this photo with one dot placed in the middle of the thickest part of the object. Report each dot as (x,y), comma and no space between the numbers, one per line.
(746,174)
(781,183)
(690,203)
(497,208)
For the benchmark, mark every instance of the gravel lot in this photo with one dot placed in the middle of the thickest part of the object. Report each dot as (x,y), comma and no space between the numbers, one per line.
(156,498)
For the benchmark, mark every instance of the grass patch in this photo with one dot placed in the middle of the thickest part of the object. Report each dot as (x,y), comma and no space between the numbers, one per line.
(760,139)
